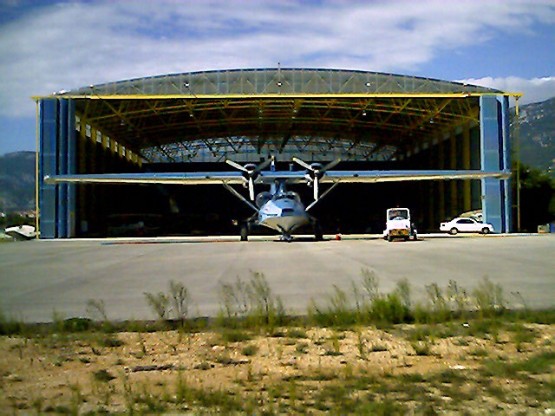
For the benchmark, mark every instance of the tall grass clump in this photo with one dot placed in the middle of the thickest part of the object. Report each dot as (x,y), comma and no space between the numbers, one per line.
(10,326)
(443,304)
(385,308)
(336,312)
(370,305)
(366,304)
(250,303)
(175,303)
(438,308)
(96,310)
(159,303)
(180,300)
(458,298)
(489,299)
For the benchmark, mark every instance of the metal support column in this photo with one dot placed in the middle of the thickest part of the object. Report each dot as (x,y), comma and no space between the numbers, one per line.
(453,207)
(441,185)
(62,209)
(467,195)
(71,169)
(505,114)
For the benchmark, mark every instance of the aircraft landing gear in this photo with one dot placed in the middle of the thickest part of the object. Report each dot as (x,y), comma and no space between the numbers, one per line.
(244,231)
(318,236)
(286,237)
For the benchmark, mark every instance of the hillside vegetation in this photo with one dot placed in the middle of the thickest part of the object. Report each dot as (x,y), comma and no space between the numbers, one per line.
(17,181)
(537,135)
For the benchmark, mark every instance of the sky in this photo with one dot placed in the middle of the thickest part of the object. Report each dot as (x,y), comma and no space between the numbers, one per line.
(47,46)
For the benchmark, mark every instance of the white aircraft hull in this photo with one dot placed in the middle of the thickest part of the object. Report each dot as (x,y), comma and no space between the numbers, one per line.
(284,213)
(285,224)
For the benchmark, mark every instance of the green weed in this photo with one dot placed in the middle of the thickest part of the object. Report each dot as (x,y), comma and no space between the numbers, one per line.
(96,309)
(235,335)
(302,347)
(250,304)
(489,299)
(159,303)
(421,348)
(180,299)
(537,364)
(249,350)
(296,333)
(103,376)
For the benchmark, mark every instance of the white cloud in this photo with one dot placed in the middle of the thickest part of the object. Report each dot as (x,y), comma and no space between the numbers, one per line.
(533,90)
(69,45)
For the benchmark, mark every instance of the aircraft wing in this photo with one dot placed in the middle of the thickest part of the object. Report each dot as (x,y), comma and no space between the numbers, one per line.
(267,177)
(169,178)
(375,176)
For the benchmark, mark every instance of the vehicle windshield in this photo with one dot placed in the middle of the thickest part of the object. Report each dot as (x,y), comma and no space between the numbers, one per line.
(398,214)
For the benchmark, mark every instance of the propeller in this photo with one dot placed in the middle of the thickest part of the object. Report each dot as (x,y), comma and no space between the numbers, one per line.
(251,170)
(316,171)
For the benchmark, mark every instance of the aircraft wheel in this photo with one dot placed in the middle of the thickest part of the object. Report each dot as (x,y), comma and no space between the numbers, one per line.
(318,232)
(244,232)
(453,231)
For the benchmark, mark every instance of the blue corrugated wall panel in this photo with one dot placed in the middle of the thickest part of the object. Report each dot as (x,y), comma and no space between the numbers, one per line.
(493,158)
(507,161)
(57,156)
(61,217)
(48,112)
(71,168)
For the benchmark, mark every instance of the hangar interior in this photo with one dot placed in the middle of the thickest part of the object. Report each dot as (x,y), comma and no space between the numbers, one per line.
(194,121)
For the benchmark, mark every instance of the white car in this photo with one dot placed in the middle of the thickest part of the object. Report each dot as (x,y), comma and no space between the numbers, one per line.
(465,225)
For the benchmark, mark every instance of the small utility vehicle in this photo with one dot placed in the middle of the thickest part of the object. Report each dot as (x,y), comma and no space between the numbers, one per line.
(398,225)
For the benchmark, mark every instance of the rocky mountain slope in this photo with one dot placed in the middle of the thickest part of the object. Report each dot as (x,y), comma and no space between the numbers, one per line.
(17,181)
(537,135)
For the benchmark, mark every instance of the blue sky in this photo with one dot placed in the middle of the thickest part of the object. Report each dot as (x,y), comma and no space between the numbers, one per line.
(47,46)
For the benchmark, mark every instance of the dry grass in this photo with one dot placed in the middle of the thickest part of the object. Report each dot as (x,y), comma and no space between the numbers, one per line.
(370,372)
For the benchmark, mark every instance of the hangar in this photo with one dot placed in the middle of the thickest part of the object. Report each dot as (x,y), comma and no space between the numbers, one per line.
(193,121)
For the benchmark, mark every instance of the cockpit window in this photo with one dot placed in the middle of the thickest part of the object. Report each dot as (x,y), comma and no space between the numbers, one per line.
(288,195)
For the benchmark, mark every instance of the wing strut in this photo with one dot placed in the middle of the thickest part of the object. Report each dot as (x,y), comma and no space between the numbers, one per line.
(322,196)
(238,195)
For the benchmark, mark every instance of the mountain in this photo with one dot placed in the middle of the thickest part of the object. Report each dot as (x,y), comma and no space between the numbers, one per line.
(537,135)
(537,149)
(17,181)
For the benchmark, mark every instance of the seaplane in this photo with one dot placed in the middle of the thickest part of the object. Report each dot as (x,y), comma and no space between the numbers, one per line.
(277,208)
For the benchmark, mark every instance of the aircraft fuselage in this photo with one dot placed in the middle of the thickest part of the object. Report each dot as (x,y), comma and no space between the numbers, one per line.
(284,212)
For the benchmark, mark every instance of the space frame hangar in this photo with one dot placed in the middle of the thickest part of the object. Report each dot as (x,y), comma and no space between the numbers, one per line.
(248,114)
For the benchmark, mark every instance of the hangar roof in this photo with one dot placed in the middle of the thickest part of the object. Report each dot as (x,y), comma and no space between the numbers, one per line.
(374,114)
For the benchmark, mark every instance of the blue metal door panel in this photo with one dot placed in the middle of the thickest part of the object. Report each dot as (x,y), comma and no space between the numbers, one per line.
(61,223)
(490,157)
(71,168)
(48,112)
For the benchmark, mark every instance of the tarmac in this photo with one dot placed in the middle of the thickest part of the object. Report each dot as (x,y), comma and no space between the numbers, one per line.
(41,279)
